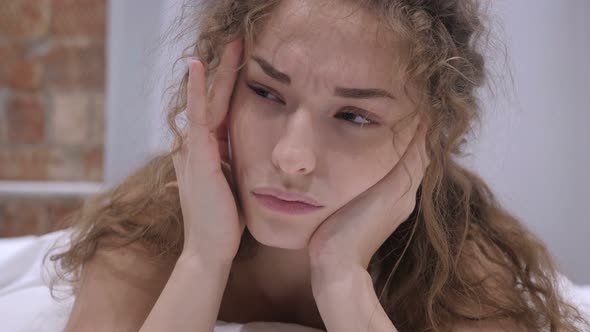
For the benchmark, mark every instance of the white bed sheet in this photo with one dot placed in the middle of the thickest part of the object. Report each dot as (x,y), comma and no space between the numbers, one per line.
(26,304)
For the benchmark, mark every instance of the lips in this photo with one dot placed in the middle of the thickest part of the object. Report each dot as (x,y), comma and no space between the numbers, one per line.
(284,207)
(286,196)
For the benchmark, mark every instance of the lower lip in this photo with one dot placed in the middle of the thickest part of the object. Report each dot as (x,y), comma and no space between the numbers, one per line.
(279,205)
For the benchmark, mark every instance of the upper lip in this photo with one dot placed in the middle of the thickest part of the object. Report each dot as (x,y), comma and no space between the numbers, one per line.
(286,196)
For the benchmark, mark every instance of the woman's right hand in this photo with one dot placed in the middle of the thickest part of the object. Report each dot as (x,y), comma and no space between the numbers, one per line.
(212,227)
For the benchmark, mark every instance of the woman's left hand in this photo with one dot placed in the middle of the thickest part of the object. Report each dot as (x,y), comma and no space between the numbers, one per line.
(352,234)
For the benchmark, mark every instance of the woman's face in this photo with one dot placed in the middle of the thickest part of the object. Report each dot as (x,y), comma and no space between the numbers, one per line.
(296,125)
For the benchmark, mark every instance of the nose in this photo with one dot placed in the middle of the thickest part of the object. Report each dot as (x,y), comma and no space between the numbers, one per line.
(294,154)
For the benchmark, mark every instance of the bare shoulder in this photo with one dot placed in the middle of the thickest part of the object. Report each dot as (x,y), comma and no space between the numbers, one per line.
(118,287)
(131,263)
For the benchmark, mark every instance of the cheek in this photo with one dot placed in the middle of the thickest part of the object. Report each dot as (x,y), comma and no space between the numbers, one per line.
(249,120)
(350,176)
(242,122)
(250,134)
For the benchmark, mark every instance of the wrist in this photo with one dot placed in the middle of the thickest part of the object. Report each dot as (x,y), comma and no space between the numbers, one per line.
(201,264)
(337,277)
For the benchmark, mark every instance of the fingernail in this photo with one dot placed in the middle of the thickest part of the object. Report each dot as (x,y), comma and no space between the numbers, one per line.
(188,62)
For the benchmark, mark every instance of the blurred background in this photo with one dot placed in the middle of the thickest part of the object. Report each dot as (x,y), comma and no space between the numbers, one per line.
(52,109)
(82,89)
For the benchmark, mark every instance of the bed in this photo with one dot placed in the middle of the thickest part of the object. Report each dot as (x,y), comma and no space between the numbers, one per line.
(26,304)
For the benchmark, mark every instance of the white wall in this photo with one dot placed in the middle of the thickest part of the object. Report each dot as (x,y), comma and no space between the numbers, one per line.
(132,24)
(139,69)
(534,147)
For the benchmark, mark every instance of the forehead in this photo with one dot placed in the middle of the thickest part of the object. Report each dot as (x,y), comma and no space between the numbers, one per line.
(332,41)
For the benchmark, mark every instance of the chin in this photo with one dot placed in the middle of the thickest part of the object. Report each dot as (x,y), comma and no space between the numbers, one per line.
(279,237)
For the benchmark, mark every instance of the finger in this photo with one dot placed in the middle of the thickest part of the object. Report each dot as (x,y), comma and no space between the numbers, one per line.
(223,83)
(406,175)
(413,159)
(198,136)
(196,106)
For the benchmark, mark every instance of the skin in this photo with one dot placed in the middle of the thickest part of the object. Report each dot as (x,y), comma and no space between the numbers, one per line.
(300,137)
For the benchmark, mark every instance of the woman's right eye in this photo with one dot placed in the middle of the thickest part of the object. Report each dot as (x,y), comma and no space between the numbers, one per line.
(263,93)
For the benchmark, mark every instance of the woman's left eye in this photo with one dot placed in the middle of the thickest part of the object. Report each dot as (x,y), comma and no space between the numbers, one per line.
(348,116)
(263,93)
(366,121)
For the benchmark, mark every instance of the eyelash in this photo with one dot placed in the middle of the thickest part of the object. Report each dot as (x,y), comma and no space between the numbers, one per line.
(371,122)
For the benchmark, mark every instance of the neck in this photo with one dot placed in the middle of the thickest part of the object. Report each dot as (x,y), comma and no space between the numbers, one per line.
(273,285)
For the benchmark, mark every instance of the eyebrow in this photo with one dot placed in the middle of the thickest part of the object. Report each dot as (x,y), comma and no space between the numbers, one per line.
(355,93)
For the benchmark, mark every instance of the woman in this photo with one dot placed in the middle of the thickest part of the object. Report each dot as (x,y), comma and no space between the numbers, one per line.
(315,183)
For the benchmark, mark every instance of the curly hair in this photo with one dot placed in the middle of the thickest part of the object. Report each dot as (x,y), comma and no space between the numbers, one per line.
(459,256)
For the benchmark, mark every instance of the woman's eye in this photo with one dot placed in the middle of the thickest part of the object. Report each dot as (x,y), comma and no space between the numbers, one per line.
(351,116)
(264,93)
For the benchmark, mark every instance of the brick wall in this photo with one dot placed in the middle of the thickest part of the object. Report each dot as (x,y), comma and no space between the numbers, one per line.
(52,77)
(34,215)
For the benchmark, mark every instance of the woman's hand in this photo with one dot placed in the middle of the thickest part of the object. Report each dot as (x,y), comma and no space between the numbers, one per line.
(351,235)
(212,227)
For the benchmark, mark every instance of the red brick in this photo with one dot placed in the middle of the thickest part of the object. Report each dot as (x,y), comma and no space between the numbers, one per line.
(39,163)
(78,18)
(64,165)
(10,51)
(26,75)
(58,209)
(71,123)
(26,119)
(3,126)
(3,129)
(23,163)
(11,54)
(92,161)
(24,19)
(19,68)
(97,117)
(80,67)
(23,217)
